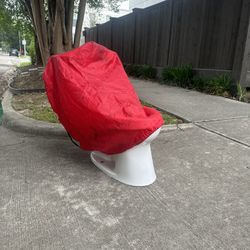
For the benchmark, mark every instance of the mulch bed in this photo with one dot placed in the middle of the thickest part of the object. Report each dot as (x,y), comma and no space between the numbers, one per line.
(29,81)
(28,77)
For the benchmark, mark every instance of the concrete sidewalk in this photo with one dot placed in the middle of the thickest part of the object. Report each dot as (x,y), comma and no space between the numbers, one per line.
(52,197)
(190,105)
(222,116)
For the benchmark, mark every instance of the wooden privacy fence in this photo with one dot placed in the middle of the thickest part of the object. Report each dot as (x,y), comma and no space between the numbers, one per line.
(209,34)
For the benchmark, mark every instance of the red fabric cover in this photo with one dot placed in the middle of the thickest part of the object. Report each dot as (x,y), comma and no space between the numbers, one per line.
(95,101)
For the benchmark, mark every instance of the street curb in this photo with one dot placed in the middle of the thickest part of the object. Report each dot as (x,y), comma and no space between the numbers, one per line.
(171,127)
(20,123)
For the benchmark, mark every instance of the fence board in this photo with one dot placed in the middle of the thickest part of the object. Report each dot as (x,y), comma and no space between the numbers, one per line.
(205,33)
(164,36)
(128,38)
(191,28)
(104,34)
(153,31)
(175,32)
(140,37)
(117,36)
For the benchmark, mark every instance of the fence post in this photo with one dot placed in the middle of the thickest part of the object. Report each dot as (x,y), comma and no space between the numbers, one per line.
(245,60)
(239,69)
(84,33)
(97,32)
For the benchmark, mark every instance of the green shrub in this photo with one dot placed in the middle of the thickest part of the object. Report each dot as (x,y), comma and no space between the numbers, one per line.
(199,83)
(219,85)
(132,70)
(233,90)
(142,71)
(241,93)
(182,76)
(128,68)
(168,75)
(148,72)
(137,71)
(32,51)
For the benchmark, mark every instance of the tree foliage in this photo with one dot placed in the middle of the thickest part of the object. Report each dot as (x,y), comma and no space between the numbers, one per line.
(14,24)
(8,32)
(50,20)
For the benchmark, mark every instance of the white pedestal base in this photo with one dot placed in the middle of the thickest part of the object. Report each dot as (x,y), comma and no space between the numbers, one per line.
(133,167)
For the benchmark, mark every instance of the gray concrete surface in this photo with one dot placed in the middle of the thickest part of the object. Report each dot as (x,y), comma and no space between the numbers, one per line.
(6,69)
(18,122)
(191,105)
(52,197)
(6,78)
(6,62)
(238,129)
(222,116)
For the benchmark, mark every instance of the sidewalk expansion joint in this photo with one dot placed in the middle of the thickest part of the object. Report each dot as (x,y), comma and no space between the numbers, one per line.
(222,135)
(222,119)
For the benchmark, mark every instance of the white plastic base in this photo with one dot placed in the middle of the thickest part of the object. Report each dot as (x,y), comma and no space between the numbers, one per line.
(133,167)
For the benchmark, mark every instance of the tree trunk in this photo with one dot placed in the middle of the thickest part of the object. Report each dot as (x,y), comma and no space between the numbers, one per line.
(69,13)
(80,16)
(54,33)
(56,45)
(39,60)
(38,12)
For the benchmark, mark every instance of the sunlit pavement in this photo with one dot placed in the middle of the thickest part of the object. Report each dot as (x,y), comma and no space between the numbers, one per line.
(7,61)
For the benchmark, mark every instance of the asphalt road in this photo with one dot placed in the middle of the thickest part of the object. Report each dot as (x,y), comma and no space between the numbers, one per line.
(6,62)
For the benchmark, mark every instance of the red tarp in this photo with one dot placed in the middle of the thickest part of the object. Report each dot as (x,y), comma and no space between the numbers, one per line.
(95,101)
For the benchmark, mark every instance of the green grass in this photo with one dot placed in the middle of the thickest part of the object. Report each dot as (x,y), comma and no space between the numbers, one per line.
(34,105)
(23,64)
(168,119)
(43,114)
